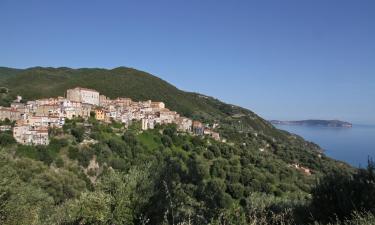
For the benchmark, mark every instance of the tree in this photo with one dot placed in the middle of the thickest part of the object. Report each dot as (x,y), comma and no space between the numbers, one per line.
(6,139)
(119,147)
(78,132)
(170,131)
(129,194)
(89,208)
(215,196)
(236,190)
(130,139)
(341,194)
(167,141)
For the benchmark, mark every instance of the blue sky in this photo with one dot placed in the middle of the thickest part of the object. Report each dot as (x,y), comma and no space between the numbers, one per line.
(281,59)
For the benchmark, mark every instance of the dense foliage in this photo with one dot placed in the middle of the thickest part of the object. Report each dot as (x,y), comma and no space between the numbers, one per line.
(111,175)
(352,192)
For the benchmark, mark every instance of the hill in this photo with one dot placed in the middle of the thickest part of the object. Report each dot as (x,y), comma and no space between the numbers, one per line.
(41,82)
(236,123)
(325,123)
(98,173)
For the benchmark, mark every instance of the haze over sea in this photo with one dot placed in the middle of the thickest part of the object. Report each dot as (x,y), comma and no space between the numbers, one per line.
(351,145)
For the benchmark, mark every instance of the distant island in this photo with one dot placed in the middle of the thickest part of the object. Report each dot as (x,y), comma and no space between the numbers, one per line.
(325,123)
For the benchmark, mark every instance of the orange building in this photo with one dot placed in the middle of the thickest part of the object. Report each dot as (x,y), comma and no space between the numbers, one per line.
(99,114)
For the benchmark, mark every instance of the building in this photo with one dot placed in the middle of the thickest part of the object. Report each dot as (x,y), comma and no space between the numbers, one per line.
(17,105)
(48,110)
(123,102)
(9,113)
(100,114)
(44,121)
(35,117)
(157,105)
(166,116)
(198,128)
(184,124)
(148,123)
(83,95)
(31,136)
(47,101)
(85,110)
(215,136)
(104,100)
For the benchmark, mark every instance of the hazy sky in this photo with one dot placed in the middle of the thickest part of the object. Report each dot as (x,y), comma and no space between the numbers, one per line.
(282,59)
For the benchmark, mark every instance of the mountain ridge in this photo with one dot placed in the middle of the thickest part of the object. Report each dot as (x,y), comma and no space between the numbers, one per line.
(313,122)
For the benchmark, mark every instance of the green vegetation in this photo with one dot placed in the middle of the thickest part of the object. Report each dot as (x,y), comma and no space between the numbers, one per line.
(96,173)
(161,176)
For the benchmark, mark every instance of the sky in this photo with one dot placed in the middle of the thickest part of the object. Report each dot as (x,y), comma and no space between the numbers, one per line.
(287,60)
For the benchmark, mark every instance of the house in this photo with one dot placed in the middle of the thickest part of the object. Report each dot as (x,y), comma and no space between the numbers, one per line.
(123,102)
(157,105)
(31,136)
(17,105)
(207,131)
(83,95)
(21,134)
(44,121)
(9,113)
(20,107)
(198,128)
(70,112)
(85,110)
(184,124)
(48,110)
(215,136)
(145,104)
(104,100)
(166,116)
(100,114)
(47,101)
(304,170)
(148,123)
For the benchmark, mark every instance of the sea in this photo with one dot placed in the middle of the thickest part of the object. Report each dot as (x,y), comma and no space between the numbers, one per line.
(352,145)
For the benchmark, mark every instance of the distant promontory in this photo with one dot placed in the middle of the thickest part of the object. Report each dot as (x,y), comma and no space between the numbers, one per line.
(324,123)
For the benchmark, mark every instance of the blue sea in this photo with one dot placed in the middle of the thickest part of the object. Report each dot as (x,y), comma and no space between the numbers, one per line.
(352,145)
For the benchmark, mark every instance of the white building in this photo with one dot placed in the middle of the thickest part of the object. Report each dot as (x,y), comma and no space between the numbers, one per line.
(28,136)
(44,121)
(184,124)
(83,95)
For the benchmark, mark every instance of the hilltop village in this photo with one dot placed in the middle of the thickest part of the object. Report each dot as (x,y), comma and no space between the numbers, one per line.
(34,118)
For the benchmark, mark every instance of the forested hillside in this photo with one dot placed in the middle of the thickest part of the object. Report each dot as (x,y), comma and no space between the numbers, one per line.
(98,173)
(51,82)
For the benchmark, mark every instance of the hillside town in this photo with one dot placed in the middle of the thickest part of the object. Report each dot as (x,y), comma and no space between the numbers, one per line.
(34,118)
